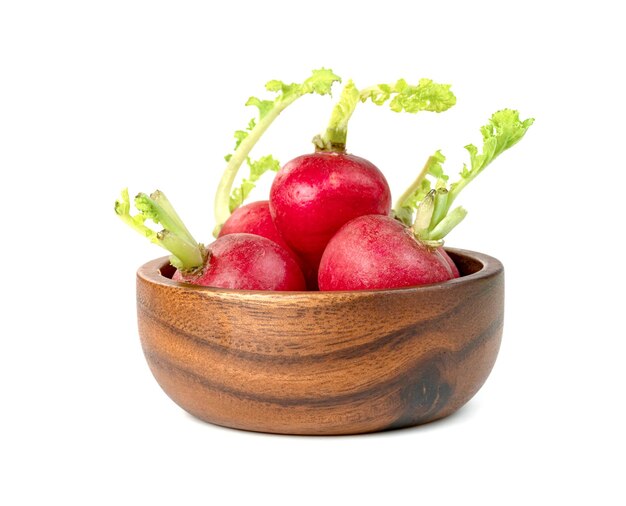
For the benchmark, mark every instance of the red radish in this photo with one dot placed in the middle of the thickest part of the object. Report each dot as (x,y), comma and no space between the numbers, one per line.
(238,261)
(372,252)
(450,262)
(314,195)
(255,218)
(246,262)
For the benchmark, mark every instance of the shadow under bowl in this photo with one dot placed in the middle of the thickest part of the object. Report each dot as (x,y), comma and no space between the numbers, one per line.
(323,362)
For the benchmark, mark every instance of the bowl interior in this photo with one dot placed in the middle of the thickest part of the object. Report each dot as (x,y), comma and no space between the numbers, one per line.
(466,264)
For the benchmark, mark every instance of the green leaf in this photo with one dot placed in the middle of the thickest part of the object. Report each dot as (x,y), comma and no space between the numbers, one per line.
(240,194)
(435,168)
(378,94)
(504,130)
(425,96)
(320,82)
(418,195)
(257,169)
(240,135)
(264,107)
(122,209)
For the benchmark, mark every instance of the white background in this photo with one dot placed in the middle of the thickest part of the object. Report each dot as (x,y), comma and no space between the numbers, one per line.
(95,96)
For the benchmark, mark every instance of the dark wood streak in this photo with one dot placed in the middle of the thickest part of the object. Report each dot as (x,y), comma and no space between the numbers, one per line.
(420,369)
(427,390)
(425,397)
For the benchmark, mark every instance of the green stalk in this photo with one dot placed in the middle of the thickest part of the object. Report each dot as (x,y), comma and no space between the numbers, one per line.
(222,195)
(187,254)
(424,215)
(415,186)
(441,206)
(336,134)
(451,220)
(159,206)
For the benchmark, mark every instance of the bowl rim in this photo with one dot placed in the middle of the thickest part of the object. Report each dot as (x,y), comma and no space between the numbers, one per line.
(150,272)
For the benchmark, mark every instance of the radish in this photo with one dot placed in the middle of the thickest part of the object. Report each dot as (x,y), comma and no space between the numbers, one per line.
(238,261)
(376,251)
(246,262)
(313,195)
(373,252)
(255,218)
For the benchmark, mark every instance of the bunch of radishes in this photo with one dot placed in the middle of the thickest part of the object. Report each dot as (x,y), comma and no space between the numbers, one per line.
(328,224)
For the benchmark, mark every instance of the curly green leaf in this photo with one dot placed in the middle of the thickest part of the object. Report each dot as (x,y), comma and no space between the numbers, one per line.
(257,169)
(503,131)
(425,96)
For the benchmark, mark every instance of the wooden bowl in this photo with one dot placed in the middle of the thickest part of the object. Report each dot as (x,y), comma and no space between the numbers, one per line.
(323,362)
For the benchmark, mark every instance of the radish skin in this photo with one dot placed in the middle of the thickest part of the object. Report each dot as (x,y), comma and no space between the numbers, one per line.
(376,252)
(246,262)
(316,194)
(254,218)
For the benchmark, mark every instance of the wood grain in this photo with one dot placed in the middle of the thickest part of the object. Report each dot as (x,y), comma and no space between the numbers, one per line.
(323,362)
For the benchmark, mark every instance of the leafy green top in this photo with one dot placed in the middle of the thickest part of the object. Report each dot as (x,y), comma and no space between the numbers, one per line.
(425,96)
(257,169)
(431,205)
(187,254)
(320,82)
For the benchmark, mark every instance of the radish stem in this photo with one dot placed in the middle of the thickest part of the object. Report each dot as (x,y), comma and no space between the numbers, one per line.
(159,209)
(451,220)
(187,254)
(441,206)
(334,139)
(424,215)
(222,195)
(404,199)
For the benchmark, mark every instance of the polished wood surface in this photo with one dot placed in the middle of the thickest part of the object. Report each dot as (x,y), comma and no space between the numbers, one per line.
(323,362)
